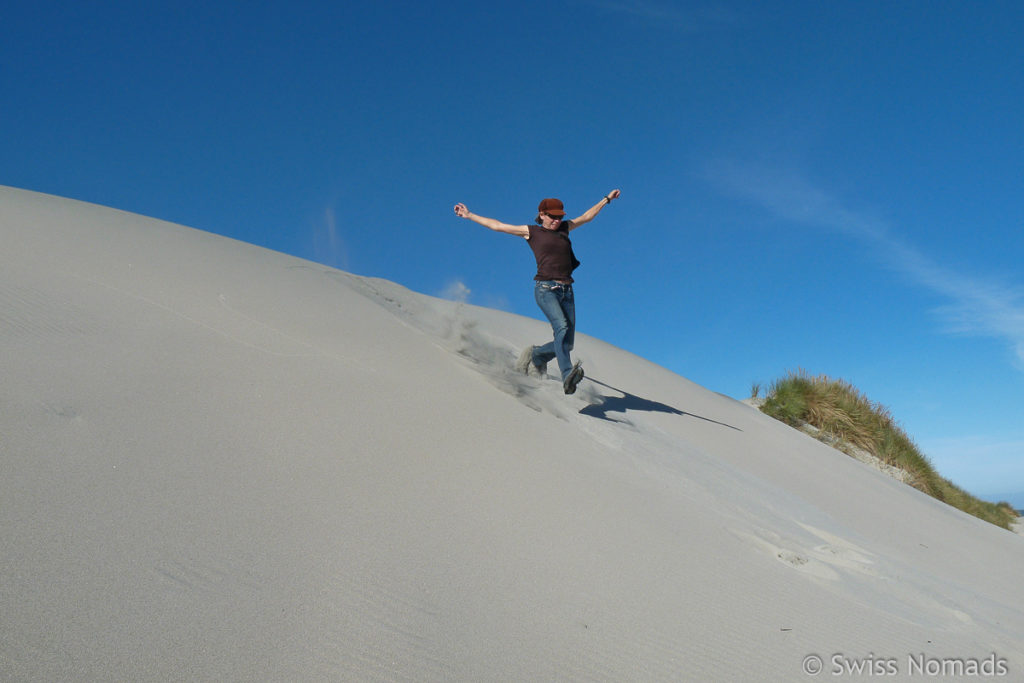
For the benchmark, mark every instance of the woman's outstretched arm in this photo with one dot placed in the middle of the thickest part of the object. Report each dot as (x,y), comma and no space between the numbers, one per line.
(592,212)
(462,212)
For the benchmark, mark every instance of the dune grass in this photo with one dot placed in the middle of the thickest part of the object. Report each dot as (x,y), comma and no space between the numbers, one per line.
(842,413)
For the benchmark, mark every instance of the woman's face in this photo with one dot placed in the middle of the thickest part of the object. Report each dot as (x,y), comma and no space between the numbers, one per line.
(549,222)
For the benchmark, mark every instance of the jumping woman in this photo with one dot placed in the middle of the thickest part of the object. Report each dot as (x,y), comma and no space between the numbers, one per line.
(549,240)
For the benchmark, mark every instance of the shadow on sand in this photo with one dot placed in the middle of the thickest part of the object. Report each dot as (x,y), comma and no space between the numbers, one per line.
(620,404)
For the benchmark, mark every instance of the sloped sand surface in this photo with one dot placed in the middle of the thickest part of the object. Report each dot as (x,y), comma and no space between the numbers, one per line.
(219,462)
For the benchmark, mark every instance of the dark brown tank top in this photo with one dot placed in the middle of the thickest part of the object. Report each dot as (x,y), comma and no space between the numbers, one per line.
(553,251)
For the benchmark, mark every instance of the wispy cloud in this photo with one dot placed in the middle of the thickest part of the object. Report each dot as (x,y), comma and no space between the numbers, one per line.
(457,291)
(973,305)
(328,246)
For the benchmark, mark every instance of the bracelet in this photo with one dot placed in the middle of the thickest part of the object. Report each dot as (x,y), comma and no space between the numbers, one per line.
(608,199)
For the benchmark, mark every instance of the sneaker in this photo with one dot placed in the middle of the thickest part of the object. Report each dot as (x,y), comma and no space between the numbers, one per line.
(526,363)
(573,378)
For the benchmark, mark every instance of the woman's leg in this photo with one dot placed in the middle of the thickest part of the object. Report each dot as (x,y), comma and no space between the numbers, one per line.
(557,303)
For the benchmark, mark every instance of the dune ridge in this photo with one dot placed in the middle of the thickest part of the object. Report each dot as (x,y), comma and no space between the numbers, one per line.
(226,463)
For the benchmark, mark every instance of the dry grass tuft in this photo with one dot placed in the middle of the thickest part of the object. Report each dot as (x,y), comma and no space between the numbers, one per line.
(841,412)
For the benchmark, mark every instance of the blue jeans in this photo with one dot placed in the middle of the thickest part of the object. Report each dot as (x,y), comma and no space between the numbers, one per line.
(556,300)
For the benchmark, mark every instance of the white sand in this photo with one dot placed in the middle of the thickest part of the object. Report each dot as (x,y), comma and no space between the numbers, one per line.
(219,462)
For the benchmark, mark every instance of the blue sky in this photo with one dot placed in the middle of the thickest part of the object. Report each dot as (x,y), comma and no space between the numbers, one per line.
(832,186)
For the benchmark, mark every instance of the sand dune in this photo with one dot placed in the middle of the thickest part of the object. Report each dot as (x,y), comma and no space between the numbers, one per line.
(224,463)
